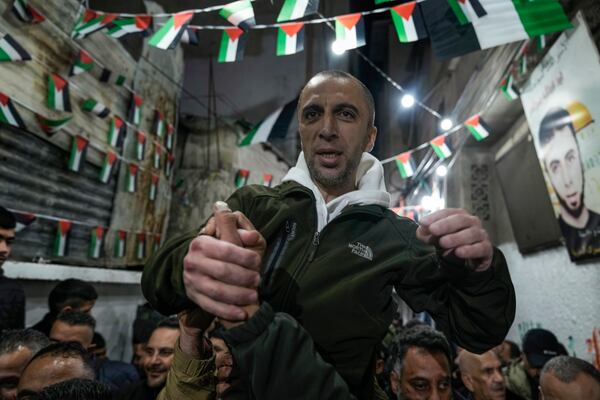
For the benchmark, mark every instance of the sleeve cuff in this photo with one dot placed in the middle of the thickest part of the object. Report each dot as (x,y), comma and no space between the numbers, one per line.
(192,366)
(251,329)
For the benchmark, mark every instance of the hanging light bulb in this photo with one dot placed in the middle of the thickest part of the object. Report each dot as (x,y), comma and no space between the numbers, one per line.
(338,47)
(446,124)
(442,170)
(407,101)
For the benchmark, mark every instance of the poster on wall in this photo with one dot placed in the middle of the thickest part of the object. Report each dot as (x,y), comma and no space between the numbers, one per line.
(562,104)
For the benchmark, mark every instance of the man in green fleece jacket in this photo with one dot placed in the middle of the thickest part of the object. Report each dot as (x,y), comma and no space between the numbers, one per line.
(334,254)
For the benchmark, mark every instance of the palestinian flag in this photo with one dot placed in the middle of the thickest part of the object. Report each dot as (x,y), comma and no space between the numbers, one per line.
(241,178)
(83,62)
(169,164)
(78,150)
(383,1)
(95,107)
(509,89)
(23,11)
(59,247)
(477,127)
(294,9)
(157,154)
(350,30)
(91,21)
(408,22)
(170,135)
(233,42)
(467,11)
(96,239)
(267,180)
(170,33)
(107,76)
(8,112)
(115,130)
(58,93)
(10,50)
(140,246)
(523,64)
(240,14)
(290,38)
(190,36)
(120,243)
(140,145)
(275,126)
(153,186)
(506,21)
(107,166)
(51,126)
(132,173)
(135,109)
(23,220)
(159,123)
(440,147)
(156,244)
(405,164)
(125,25)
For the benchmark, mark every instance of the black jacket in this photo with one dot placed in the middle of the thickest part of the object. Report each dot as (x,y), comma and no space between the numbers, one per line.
(12,303)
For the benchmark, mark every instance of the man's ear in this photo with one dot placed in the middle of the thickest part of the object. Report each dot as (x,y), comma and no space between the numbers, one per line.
(66,308)
(394,382)
(468,381)
(371,136)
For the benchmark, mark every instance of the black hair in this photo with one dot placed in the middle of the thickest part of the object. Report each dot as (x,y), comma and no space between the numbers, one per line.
(169,322)
(99,341)
(337,74)
(555,119)
(7,219)
(76,389)
(70,292)
(421,336)
(73,318)
(67,350)
(566,369)
(515,351)
(11,340)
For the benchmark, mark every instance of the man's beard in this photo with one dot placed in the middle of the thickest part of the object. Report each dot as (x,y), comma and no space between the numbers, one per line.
(575,213)
(336,181)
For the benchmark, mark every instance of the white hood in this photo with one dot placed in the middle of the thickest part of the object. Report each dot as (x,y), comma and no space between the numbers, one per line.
(369,181)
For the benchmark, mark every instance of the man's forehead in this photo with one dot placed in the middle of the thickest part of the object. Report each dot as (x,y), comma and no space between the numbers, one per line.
(7,233)
(340,88)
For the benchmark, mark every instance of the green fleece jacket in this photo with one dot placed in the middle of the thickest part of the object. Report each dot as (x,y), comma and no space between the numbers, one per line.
(337,283)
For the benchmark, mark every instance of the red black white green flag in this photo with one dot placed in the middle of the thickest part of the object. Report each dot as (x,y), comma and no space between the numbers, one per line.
(8,112)
(24,219)
(239,13)
(140,145)
(408,22)
(90,21)
(78,152)
(132,174)
(51,126)
(120,243)
(154,178)
(190,36)
(295,9)
(467,11)
(233,42)
(267,179)
(350,30)
(439,146)
(125,25)
(169,164)
(168,36)
(107,76)
(95,107)
(140,246)
(157,154)
(108,165)
(170,136)
(10,50)
(159,123)
(405,164)
(156,244)
(60,245)
(26,13)
(478,128)
(115,131)
(241,178)
(135,109)
(84,62)
(58,93)
(96,240)
(290,38)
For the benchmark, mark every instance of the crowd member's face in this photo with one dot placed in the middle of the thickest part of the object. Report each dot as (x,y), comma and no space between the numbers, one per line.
(534,373)
(583,387)
(159,353)
(63,332)
(11,366)
(223,363)
(485,380)
(334,129)
(139,352)
(563,163)
(48,370)
(7,237)
(425,376)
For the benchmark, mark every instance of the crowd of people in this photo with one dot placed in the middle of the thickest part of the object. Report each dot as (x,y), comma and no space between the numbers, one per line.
(287,293)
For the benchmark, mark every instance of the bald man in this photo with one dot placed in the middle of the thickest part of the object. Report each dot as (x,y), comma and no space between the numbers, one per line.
(569,378)
(482,376)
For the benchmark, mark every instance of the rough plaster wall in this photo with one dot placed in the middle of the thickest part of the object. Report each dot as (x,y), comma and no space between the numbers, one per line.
(114,312)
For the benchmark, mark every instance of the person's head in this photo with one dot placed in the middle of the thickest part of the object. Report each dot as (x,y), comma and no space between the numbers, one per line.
(17,347)
(55,363)
(98,347)
(562,159)
(569,378)
(72,294)
(142,330)
(539,346)
(421,365)
(482,375)
(8,224)
(76,389)
(509,351)
(336,115)
(159,352)
(74,326)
